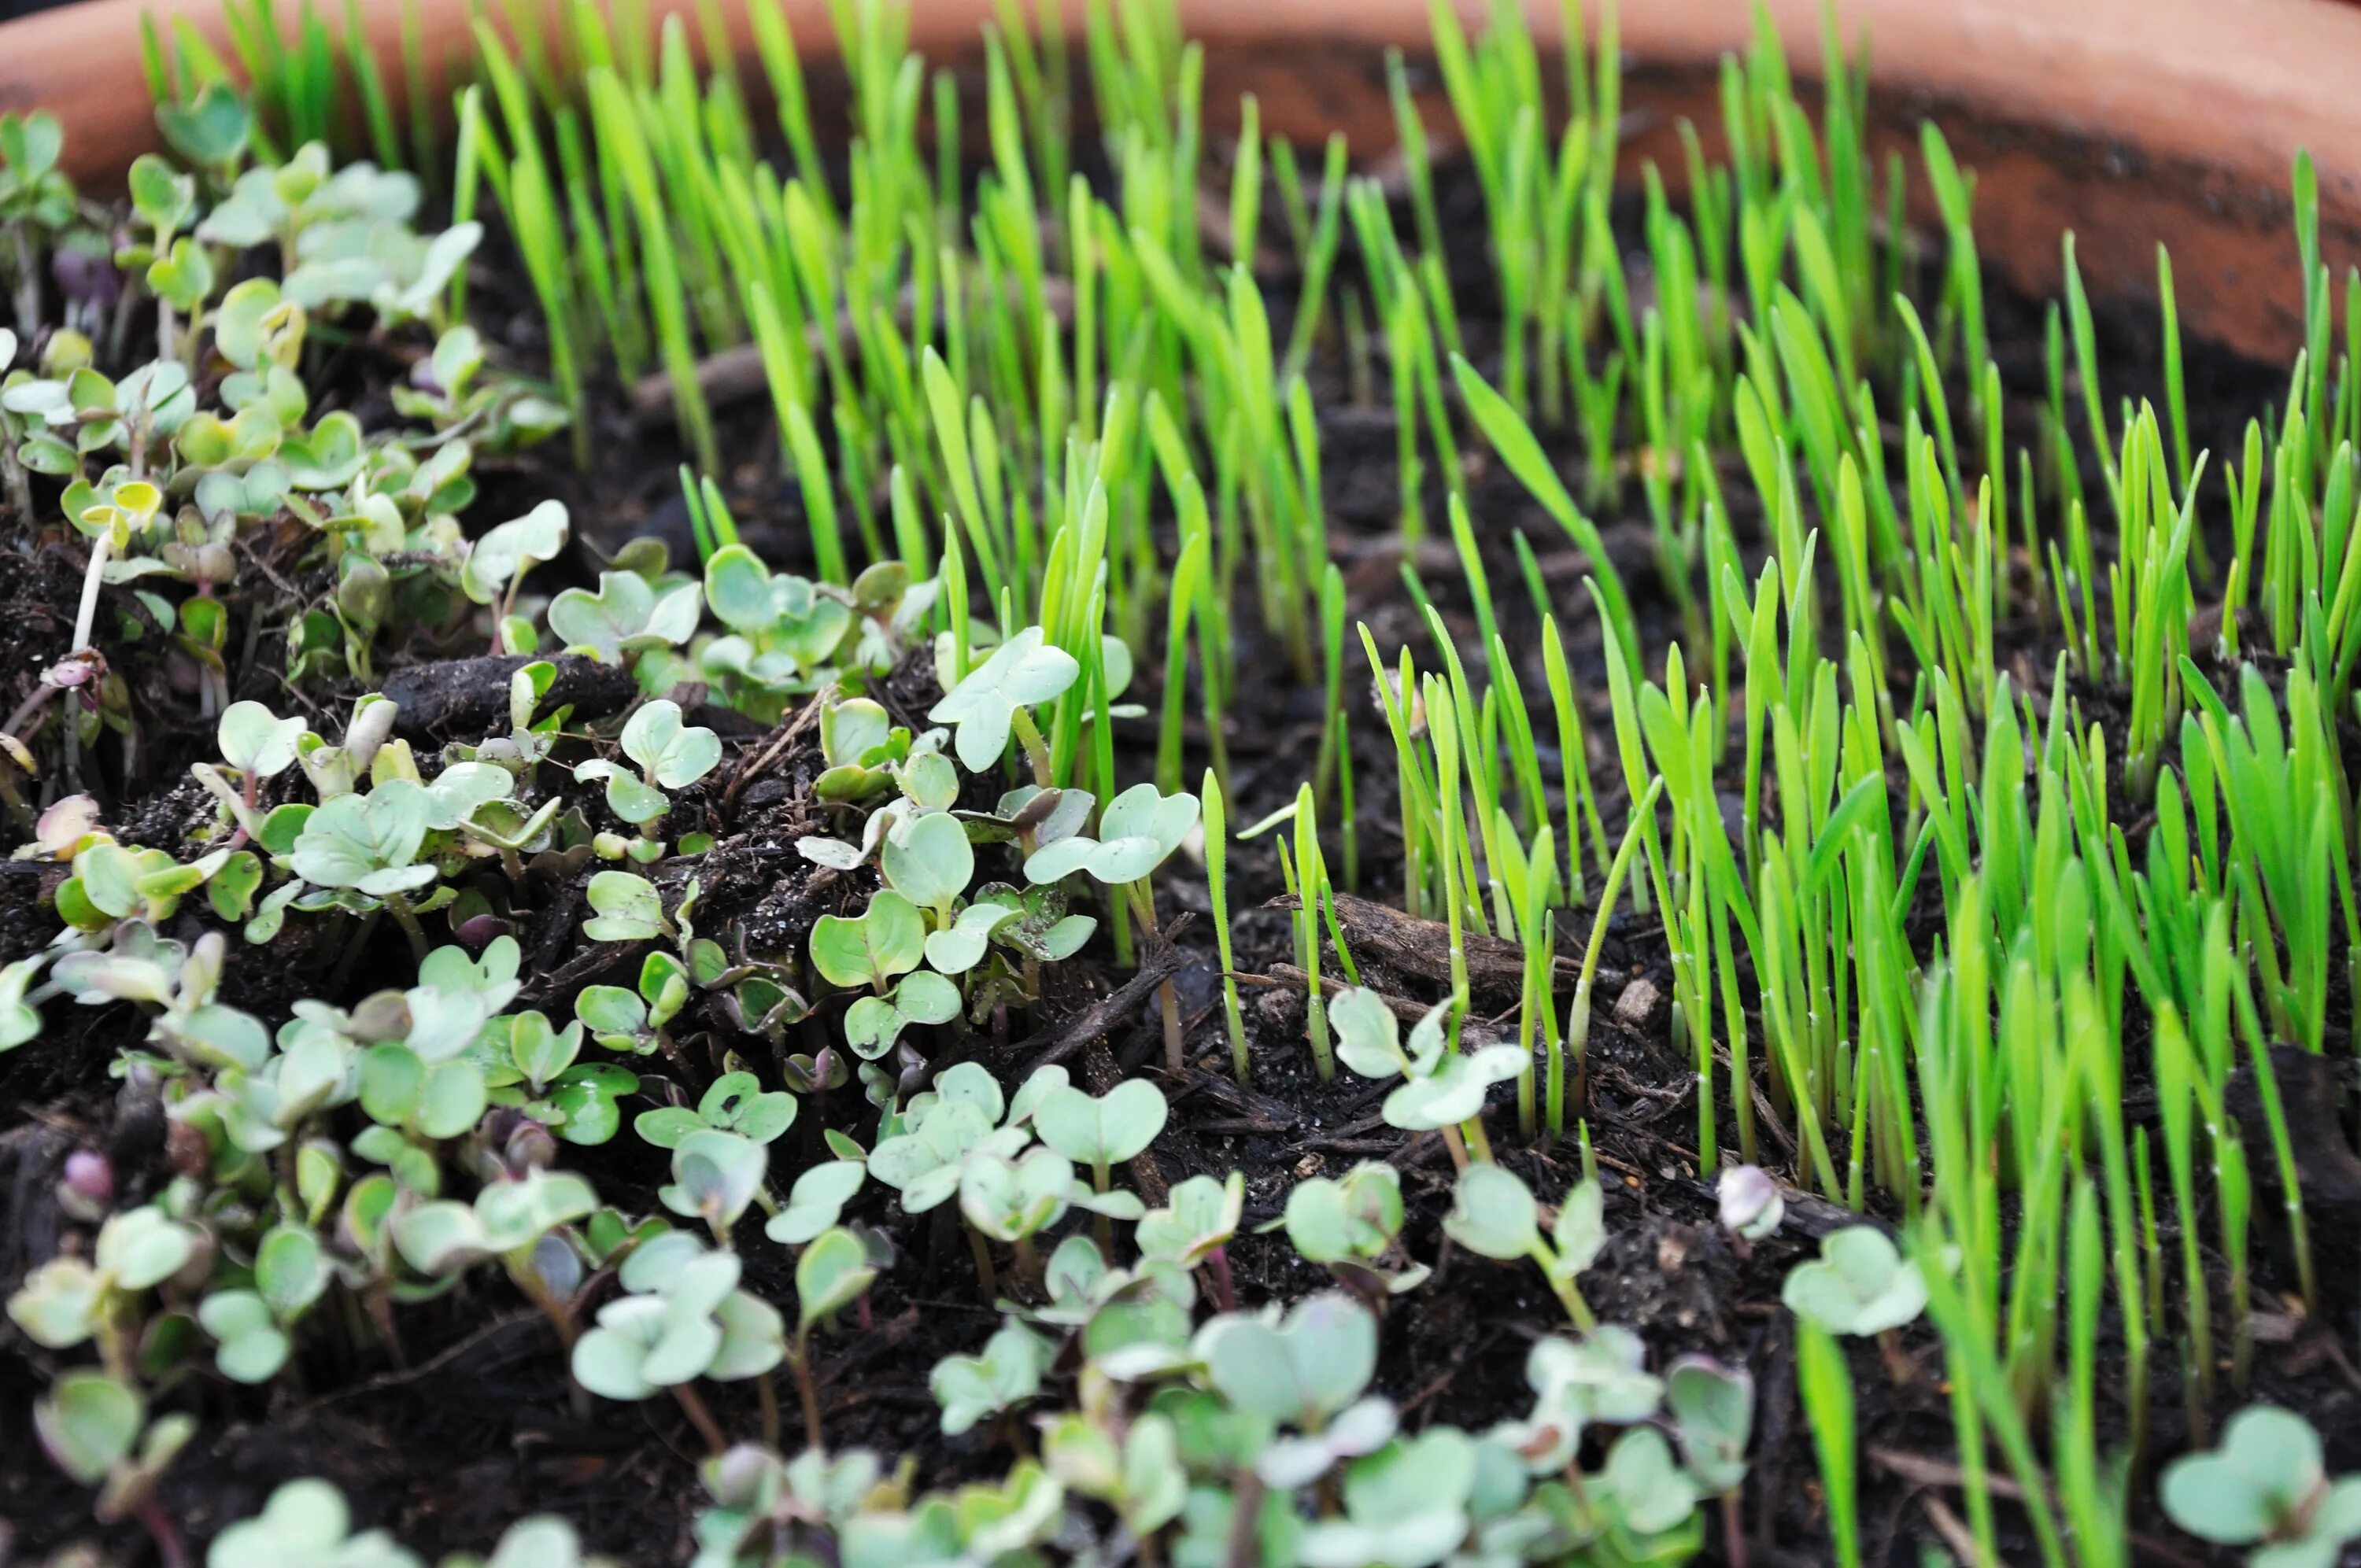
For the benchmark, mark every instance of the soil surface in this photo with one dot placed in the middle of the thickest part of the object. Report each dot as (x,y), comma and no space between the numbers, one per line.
(471,1419)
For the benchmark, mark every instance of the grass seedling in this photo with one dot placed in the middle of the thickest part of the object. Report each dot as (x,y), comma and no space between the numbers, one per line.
(1312,893)
(1537,1003)
(519,176)
(1217,896)
(709,521)
(1513,439)
(1827,1389)
(1573,763)
(1319,261)
(1577,1019)
(1188,586)
(619,130)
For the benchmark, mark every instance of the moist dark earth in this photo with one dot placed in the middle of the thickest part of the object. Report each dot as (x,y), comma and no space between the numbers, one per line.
(471,1419)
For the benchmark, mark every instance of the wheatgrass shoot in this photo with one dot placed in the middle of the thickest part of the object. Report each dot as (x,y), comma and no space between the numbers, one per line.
(1217,830)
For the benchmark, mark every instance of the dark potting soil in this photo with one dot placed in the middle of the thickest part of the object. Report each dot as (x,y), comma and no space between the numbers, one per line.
(471,1418)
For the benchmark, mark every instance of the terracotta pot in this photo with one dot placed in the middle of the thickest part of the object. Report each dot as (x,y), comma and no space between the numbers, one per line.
(2130,121)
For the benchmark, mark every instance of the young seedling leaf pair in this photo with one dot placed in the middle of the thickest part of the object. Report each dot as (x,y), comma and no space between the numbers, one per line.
(966,1111)
(1299,1369)
(1350,1225)
(1442,1087)
(95,1427)
(993,696)
(496,566)
(1007,1373)
(2265,1487)
(716,1173)
(622,1020)
(736,1103)
(671,755)
(880,949)
(625,615)
(816,1200)
(629,909)
(682,1316)
(1137,832)
(63,1302)
(1858,1285)
(507,1217)
(1493,1212)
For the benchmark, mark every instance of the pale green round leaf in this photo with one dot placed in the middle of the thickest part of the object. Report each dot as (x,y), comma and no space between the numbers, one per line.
(832,1271)
(925,997)
(629,909)
(1107,1129)
(929,859)
(816,1198)
(139,1248)
(1301,1369)
(1493,1213)
(88,1424)
(1858,1285)
(512,547)
(255,740)
(291,1270)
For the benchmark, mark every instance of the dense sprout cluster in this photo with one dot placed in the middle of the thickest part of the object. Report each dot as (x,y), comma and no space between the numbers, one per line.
(1927,908)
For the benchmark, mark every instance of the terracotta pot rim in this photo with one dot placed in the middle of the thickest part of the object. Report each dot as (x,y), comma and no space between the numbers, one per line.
(2233,84)
(2131,120)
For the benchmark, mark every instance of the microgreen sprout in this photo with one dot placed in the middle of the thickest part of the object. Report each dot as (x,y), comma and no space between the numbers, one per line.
(496,564)
(996,698)
(1750,1201)
(1101,1131)
(635,1019)
(1301,1368)
(1441,1087)
(68,1301)
(682,1318)
(2265,1487)
(1493,1213)
(736,1103)
(1858,1285)
(96,1428)
(305,1520)
(816,1200)
(716,1173)
(258,746)
(625,615)
(833,1271)
(1007,1373)
(629,909)
(1352,1225)
(1137,831)
(670,755)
